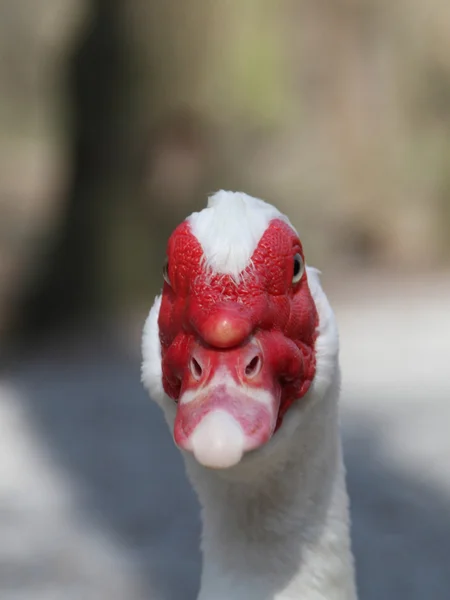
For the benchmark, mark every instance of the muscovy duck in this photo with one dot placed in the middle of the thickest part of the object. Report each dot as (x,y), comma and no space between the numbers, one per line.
(241,352)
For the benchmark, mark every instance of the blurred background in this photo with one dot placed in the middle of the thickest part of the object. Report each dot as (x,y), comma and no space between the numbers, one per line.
(117,119)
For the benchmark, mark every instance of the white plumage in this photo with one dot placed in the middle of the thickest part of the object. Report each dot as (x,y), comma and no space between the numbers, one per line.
(229,229)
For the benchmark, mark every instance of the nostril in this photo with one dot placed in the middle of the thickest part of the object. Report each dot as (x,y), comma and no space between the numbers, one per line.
(253,367)
(196,368)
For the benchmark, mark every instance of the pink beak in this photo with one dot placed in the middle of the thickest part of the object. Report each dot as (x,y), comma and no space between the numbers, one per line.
(229,399)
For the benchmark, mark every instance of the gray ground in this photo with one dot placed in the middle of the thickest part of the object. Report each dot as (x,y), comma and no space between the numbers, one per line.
(93,499)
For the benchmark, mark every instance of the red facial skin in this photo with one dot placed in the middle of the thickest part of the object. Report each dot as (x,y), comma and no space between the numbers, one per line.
(209,318)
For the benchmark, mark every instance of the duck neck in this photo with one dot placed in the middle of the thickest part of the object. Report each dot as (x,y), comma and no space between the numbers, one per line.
(279,530)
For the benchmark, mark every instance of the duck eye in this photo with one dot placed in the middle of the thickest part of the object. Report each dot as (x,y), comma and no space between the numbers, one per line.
(299,267)
(166,271)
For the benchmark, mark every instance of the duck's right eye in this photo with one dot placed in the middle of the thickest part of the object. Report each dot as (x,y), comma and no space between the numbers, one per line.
(299,268)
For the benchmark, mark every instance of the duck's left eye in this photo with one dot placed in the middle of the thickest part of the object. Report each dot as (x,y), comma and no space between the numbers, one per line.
(166,271)
(299,268)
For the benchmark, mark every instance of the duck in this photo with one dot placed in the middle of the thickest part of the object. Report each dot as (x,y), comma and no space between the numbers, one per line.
(240,350)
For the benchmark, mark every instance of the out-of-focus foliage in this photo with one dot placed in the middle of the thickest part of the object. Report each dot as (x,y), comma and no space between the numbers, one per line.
(118,117)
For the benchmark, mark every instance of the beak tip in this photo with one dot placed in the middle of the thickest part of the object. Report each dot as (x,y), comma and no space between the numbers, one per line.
(218,441)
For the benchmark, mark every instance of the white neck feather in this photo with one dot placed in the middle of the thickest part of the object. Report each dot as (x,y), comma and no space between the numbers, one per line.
(280,531)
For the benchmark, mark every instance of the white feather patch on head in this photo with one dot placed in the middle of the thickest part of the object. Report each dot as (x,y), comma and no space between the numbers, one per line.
(230,228)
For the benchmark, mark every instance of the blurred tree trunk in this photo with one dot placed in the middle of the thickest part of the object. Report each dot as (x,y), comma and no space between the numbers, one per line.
(97,76)
(35,39)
